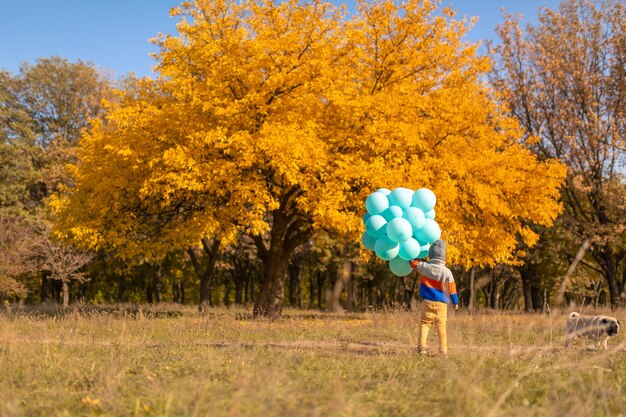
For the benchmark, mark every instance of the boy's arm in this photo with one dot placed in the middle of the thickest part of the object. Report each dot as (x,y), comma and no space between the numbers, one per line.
(453,295)
(423,268)
(414,263)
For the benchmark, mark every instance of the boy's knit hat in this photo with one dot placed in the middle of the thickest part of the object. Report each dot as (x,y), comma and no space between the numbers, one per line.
(437,252)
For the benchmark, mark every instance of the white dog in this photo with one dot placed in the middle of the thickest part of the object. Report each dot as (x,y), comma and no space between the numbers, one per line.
(597,328)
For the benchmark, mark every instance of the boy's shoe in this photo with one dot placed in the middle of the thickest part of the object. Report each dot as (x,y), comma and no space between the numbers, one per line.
(421,350)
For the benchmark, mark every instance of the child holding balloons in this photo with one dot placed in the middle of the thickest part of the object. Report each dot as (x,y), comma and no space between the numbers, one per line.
(437,289)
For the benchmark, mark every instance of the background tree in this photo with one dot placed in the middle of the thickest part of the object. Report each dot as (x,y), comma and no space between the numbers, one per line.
(564,80)
(15,240)
(63,262)
(244,268)
(205,269)
(276,120)
(542,267)
(58,98)
(17,171)
(43,109)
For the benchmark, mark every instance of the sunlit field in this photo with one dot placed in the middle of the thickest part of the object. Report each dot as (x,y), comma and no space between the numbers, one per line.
(172,361)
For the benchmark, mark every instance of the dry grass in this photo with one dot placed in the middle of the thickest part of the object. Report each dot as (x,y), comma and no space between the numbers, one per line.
(170,361)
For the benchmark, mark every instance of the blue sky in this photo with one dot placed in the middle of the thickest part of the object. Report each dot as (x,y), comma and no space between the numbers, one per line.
(113,34)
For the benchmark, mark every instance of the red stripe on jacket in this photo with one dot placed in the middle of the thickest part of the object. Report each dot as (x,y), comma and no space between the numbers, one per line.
(438,285)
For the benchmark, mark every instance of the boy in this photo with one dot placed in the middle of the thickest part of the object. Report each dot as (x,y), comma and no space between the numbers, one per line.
(437,289)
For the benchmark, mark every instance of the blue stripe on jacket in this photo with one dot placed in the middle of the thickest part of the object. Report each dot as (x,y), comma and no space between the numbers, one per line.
(432,294)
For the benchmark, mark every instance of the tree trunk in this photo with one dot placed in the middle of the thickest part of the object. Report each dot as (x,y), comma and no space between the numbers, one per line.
(206,275)
(239,279)
(294,284)
(227,289)
(246,290)
(491,291)
(178,292)
(65,294)
(121,289)
(320,285)
(288,232)
(269,303)
(609,267)
(536,297)
(392,292)
(613,288)
(350,289)
(311,289)
(495,291)
(158,284)
(472,289)
(380,297)
(526,288)
(238,292)
(622,293)
(57,290)
(82,292)
(342,281)
(410,283)
(509,297)
(174,292)
(45,286)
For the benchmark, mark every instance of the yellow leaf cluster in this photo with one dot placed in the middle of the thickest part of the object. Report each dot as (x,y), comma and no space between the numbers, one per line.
(265,109)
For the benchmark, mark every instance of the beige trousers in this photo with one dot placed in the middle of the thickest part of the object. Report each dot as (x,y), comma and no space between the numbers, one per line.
(434,312)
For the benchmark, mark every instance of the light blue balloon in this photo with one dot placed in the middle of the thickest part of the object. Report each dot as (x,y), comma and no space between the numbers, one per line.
(399,229)
(424,251)
(366,216)
(424,199)
(409,249)
(392,212)
(384,191)
(376,226)
(402,197)
(415,216)
(429,232)
(400,267)
(431,214)
(376,203)
(368,241)
(386,249)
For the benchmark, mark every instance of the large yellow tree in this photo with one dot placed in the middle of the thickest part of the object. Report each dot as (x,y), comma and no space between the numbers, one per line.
(277,119)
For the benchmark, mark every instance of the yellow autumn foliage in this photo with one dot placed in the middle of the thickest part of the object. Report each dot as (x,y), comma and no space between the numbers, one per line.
(282,117)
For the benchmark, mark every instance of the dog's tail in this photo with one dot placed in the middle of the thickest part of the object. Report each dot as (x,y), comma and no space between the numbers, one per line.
(573,314)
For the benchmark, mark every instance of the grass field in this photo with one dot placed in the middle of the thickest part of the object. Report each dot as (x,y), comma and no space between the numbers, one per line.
(171,361)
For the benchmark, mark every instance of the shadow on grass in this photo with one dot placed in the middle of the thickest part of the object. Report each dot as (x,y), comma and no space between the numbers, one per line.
(304,315)
(358,348)
(164,310)
(89,310)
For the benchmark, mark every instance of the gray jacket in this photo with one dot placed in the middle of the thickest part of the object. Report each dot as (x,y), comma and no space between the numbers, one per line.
(436,280)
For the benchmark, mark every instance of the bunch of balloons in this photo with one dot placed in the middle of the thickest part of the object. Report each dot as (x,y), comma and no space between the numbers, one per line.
(400,226)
